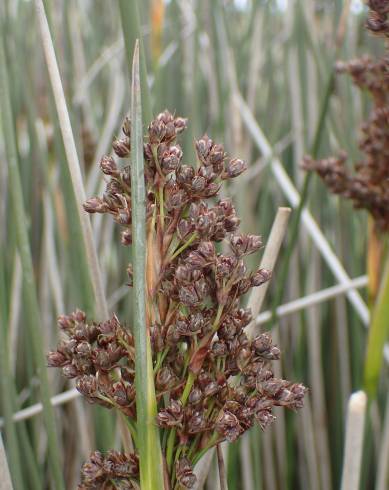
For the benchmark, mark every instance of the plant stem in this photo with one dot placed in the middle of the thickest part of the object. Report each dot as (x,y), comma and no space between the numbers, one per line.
(73,161)
(184,246)
(169,448)
(222,468)
(130,20)
(282,275)
(188,387)
(6,393)
(31,306)
(211,443)
(150,456)
(378,334)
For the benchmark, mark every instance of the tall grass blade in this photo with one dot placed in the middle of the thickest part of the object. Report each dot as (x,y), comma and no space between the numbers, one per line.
(151,469)
(6,393)
(314,151)
(130,20)
(383,458)
(31,301)
(378,334)
(73,162)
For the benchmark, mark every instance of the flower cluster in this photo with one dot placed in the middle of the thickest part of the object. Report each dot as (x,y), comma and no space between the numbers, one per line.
(378,21)
(115,470)
(367,187)
(212,381)
(101,359)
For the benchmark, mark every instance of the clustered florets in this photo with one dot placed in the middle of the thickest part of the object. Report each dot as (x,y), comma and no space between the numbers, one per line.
(377,21)
(212,381)
(115,470)
(368,186)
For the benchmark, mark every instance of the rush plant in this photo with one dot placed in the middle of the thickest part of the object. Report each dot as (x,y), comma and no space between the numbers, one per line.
(186,366)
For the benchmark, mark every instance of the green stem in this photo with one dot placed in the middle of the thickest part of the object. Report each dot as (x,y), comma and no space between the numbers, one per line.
(130,19)
(216,321)
(31,307)
(169,448)
(212,442)
(284,268)
(161,207)
(160,358)
(6,392)
(150,456)
(378,334)
(132,428)
(184,246)
(188,387)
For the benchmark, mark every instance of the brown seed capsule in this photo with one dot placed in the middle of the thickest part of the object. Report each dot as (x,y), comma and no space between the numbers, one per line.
(126,237)
(180,123)
(233,168)
(203,148)
(126,128)
(219,349)
(165,379)
(228,426)
(171,159)
(70,371)
(264,418)
(95,205)
(198,184)
(66,322)
(108,166)
(185,175)
(263,347)
(195,396)
(211,389)
(121,147)
(184,472)
(87,386)
(245,244)
(260,277)
(56,359)
(197,423)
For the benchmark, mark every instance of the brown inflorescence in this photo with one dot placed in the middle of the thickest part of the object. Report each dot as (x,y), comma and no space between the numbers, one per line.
(368,185)
(378,22)
(212,381)
(115,470)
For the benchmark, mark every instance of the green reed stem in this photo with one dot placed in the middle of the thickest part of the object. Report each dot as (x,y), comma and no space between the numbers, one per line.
(6,392)
(378,334)
(31,300)
(150,456)
(130,20)
(295,224)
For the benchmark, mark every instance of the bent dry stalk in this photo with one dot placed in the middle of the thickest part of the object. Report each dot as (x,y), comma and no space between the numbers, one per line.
(212,382)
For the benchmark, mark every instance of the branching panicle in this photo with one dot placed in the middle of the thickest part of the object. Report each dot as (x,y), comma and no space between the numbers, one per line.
(212,382)
(367,186)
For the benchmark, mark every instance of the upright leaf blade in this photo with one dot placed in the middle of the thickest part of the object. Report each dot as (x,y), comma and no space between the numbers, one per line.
(151,470)
(130,20)
(378,334)
(31,298)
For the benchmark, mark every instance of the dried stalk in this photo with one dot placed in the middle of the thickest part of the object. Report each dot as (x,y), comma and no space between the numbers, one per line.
(5,477)
(354,441)
(73,161)
(268,261)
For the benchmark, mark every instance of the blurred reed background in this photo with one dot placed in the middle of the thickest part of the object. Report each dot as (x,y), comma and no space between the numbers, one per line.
(254,75)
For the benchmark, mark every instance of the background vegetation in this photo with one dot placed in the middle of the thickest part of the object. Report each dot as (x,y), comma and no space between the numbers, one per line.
(254,75)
